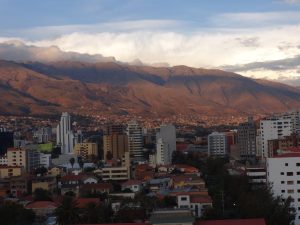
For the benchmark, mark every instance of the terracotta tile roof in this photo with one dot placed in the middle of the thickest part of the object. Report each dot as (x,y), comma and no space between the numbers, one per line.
(102,186)
(41,205)
(82,202)
(232,222)
(201,199)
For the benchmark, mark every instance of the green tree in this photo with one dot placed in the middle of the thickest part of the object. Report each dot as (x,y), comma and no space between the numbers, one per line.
(15,214)
(72,161)
(67,213)
(42,195)
(40,170)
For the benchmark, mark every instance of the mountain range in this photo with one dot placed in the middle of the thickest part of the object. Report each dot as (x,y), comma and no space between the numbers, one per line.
(109,87)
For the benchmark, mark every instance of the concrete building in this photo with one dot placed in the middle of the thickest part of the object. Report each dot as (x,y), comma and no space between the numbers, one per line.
(165,144)
(246,137)
(45,160)
(16,157)
(10,171)
(135,141)
(64,135)
(282,144)
(42,135)
(273,129)
(283,173)
(217,144)
(113,173)
(3,160)
(115,145)
(86,150)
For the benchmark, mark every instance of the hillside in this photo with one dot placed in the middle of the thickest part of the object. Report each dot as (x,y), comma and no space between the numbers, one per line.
(114,88)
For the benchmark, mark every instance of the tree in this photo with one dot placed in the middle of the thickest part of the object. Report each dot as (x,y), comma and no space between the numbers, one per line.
(67,213)
(15,214)
(40,170)
(42,195)
(72,161)
(97,213)
(80,162)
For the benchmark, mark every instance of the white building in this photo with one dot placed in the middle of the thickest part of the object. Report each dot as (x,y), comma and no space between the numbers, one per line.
(45,160)
(273,129)
(165,144)
(135,141)
(217,144)
(3,160)
(283,175)
(64,135)
(43,134)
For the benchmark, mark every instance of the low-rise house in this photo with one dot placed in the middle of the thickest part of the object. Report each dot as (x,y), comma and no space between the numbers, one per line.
(133,185)
(19,186)
(160,183)
(184,180)
(197,203)
(46,183)
(87,189)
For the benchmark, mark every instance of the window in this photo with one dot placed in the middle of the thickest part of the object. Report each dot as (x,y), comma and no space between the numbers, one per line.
(289,173)
(286,164)
(298,181)
(291,191)
(297,164)
(282,181)
(282,173)
(183,198)
(290,182)
(282,191)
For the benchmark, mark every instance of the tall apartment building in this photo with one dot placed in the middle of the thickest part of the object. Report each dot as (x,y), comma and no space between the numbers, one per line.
(246,138)
(135,141)
(29,159)
(64,135)
(217,144)
(86,150)
(165,144)
(115,142)
(273,129)
(294,116)
(42,135)
(283,176)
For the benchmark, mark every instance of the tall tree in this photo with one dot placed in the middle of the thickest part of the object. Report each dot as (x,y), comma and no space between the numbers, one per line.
(68,212)
(15,214)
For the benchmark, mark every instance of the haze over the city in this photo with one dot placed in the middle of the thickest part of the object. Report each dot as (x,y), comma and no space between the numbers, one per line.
(257,38)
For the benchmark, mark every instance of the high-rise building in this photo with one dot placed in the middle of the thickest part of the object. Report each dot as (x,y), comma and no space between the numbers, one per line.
(42,135)
(165,144)
(64,135)
(246,137)
(6,141)
(283,177)
(86,150)
(217,144)
(135,141)
(271,129)
(115,142)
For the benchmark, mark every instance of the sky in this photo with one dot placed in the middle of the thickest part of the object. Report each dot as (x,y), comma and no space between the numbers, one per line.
(257,38)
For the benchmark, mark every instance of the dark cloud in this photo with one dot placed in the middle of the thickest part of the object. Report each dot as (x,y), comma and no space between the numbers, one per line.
(275,65)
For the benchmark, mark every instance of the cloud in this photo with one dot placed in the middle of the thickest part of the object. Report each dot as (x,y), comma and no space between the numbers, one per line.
(17,51)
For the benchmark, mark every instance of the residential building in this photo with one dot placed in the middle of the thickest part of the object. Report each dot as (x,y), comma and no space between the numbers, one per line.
(132,185)
(16,157)
(19,186)
(42,135)
(257,175)
(10,171)
(46,183)
(246,138)
(3,160)
(113,173)
(217,144)
(135,141)
(165,144)
(115,145)
(271,129)
(283,173)
(282,144)
(86,150)
(45,160)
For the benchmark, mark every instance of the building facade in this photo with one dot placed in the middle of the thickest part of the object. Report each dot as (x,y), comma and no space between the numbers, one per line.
(217,144)
(246,137)
(135,141)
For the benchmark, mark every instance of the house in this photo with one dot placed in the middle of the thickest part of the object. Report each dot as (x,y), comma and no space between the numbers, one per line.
(160,183)
(133,185)
(42,208)
(10,171)
(259,221)
(197,203)
(186,180)
(86,189)
(19,186)
(46,183)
